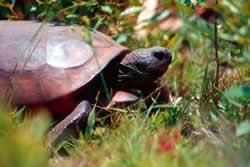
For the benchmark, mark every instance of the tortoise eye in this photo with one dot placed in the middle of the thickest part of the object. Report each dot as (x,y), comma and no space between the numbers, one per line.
(159,55)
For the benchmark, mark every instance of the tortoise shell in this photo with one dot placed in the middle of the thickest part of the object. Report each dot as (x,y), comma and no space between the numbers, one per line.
(40,62)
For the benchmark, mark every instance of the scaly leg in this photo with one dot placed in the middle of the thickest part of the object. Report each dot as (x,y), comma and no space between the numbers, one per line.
(74,120)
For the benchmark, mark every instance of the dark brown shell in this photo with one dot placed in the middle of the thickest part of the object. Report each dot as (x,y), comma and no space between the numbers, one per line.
(25,74)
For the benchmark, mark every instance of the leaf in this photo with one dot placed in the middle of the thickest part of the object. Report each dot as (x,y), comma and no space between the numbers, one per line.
(86,20)
(121,38)
(172,41)
(186,2)
(230,100)
(106,9)
(201,1)
(13,2)
(131,10)
(243,128)
(33,9)
(183,8)
(238,92)
(160,16)
(98,23)
(71,16)
(91,123)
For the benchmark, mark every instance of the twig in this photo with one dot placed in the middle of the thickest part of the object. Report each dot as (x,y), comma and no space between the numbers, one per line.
(216,85)
(216,49)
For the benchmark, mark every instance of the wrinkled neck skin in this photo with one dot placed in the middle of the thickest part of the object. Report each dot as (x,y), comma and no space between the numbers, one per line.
(131,78)
(141,84)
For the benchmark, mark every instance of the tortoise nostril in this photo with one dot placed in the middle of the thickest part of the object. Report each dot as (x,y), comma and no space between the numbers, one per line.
(159,55)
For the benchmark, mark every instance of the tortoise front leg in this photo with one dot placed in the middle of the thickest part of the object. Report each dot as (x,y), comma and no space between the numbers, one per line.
(74,120)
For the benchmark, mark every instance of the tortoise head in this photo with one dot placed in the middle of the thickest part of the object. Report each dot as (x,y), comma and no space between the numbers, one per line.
(145,65)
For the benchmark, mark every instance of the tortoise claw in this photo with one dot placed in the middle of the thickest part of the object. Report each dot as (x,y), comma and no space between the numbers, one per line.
(75,119)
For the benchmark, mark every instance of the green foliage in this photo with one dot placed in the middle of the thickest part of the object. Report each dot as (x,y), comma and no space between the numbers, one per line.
(214,121)
(131,10)
(133,144)
(235,20)
(243,128)
(240,92)
(91,123)
(22,144)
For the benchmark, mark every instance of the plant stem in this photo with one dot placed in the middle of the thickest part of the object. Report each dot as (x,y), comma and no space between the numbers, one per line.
(216,49)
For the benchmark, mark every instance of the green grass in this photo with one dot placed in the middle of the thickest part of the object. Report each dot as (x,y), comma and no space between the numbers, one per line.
(194,129)
(22,141)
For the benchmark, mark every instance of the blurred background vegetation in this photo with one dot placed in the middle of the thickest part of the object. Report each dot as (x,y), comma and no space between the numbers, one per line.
(203,124)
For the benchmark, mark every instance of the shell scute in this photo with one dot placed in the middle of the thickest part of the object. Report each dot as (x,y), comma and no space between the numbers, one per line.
(47,61)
